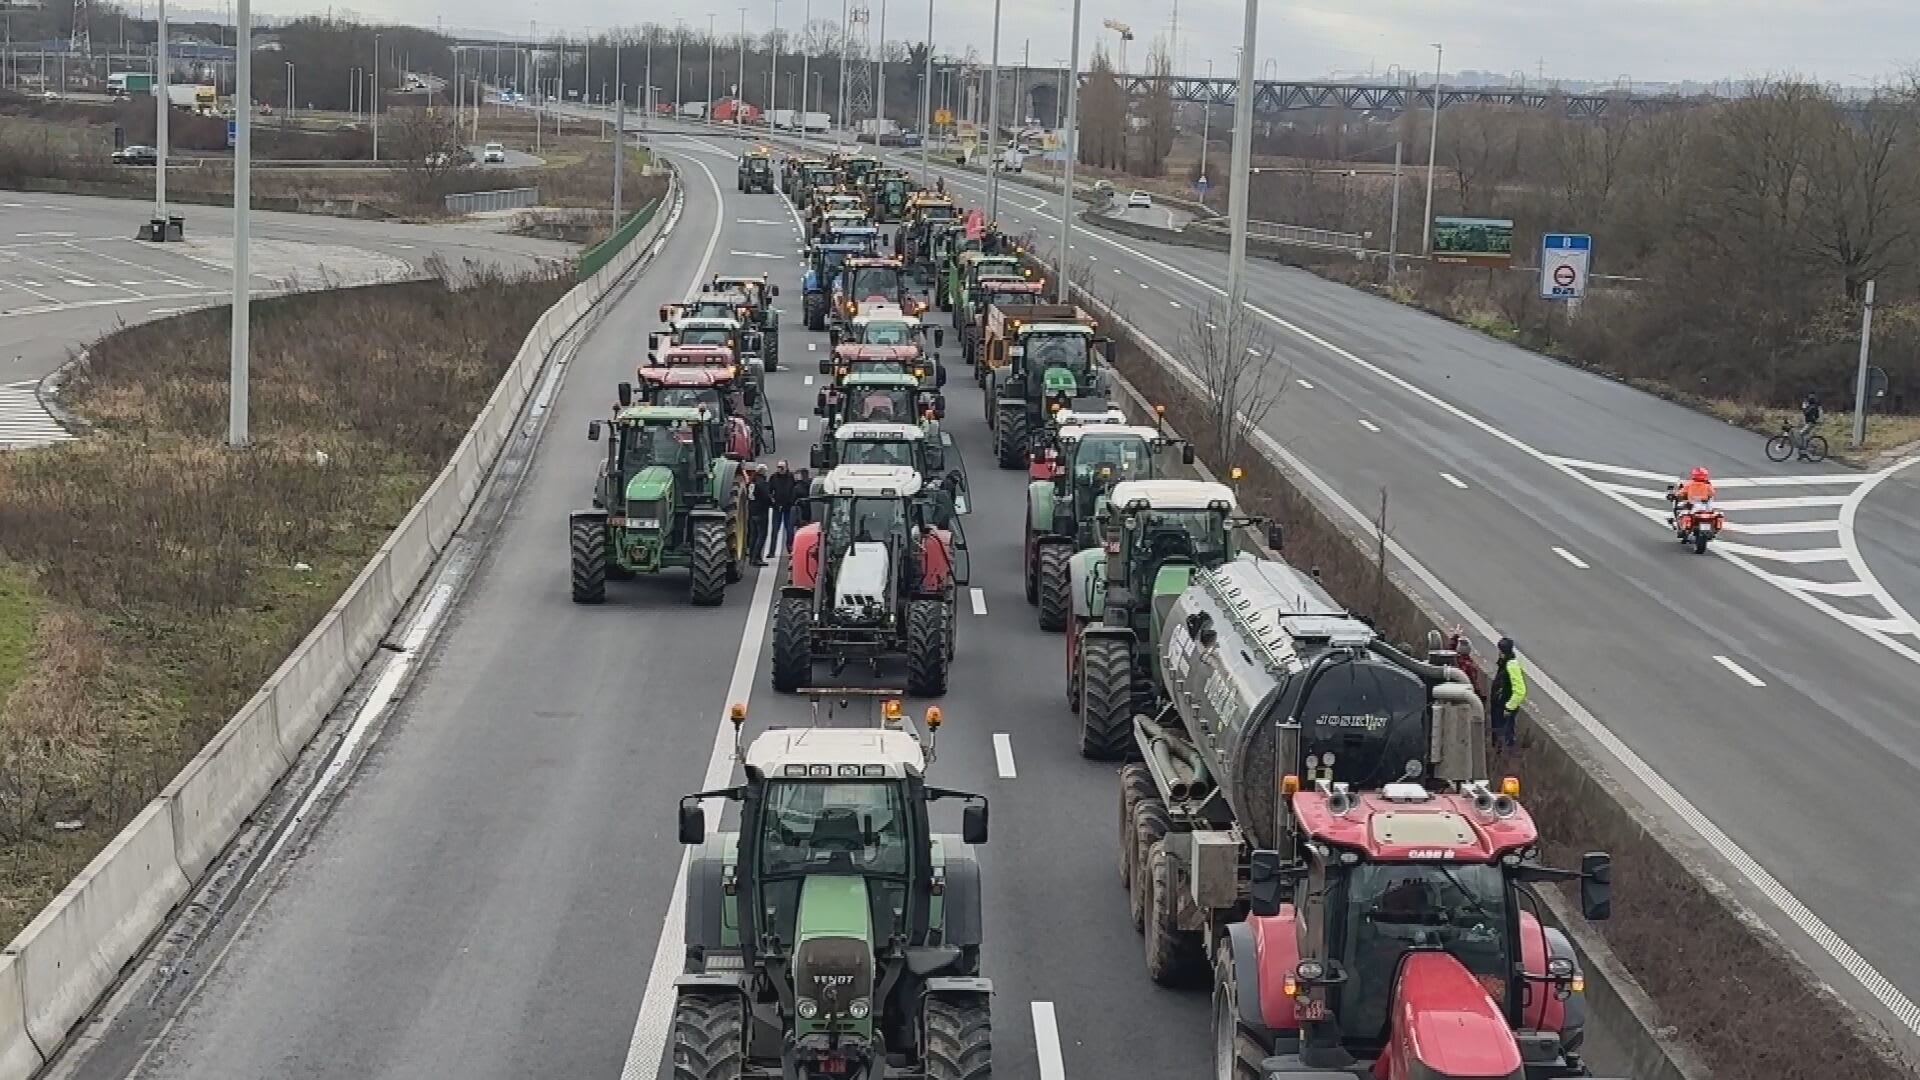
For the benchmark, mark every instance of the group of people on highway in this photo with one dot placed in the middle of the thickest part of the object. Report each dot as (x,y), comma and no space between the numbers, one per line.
(777,502)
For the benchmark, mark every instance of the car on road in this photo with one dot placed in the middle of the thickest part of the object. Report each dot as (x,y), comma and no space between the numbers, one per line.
(909,138)
(1139,200)
(136,155)
(494,153)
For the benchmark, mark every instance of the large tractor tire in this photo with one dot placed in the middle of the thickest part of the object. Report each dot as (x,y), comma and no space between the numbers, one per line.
(815,307)
(587,549)
(712,557)
(1150,824)
(1010,438)
(736,549)
(928,654)
(1136,785)
(1175,958)
(792,643)
(1230,1036)
(1054,587)
(709,1037)
(959,1039)
(1106,698)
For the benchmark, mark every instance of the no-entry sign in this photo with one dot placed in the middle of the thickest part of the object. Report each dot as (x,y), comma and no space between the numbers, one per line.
(1564,260)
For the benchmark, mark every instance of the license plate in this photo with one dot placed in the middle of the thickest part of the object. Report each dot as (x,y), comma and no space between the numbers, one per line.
(1310,1010)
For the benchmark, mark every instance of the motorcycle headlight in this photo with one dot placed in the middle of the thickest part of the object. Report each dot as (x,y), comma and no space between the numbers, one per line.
(859,1009)
(807,1008)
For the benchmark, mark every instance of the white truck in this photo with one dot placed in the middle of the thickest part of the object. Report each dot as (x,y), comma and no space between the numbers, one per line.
(1013,158)
(200,99)
(817,121)
(784,119)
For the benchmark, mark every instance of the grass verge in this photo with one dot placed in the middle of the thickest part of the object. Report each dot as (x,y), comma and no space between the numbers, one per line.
(166,576)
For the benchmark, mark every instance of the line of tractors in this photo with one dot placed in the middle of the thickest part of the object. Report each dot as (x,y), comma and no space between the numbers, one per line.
(1306,819)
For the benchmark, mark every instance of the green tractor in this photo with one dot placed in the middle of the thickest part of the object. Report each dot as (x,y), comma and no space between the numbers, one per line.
(665,498)
(1072,480)
(967,274)
(835,934)
(756,172)
(1041,359)
(887,196)
(1155,533)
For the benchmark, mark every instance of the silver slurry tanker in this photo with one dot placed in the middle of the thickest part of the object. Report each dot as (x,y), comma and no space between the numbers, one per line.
(1265,677)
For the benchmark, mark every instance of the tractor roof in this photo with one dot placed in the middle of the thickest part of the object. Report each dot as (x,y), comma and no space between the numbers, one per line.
(1012,284)
(1055,328)
(661,414)
(1076,432)
(778,752)
(880,380)
(1068,418)
(855,351)
(876,260)
(706,322)
(699,355)
(873,481)
(729,297)
(1405,822)
(687,376)
(879,432)
(885,313)
(1172,494)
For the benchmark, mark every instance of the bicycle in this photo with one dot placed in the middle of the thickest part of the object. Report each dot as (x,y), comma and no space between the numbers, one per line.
(1781,446)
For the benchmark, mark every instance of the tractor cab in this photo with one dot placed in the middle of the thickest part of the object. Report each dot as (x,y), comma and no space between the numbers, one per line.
(867,282)
(1073,481)
(887,326)
(835,933)
(745,425)
(860,168)
(1408,928)
(863,236)
(923,447)
(729,333)
(888,397)
(832,221)
(971,316)
(825,261)
(1154,534)
(756,171)
(756,309)
(892,360)
(712,303)
(889,197)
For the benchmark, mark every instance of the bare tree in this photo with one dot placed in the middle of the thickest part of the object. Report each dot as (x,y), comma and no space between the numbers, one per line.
(1103,117)
(1159,114)
(1241,376)
(427,142)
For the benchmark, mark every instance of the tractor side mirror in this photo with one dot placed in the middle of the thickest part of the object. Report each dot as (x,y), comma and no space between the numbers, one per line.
(1186,454)
(593,431)
(1269,881)
(1276,536)
(939,374)
(693,822)
(664,313)
(1596,886)
(826,364)
(833,337)
(1106,350)
(775,290)
(817,457)
(939,336)
(973,822)
(750,395)
(624,394)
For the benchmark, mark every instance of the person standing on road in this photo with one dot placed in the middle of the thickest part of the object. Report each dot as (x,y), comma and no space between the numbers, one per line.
(1508,694)
(781,491)
(759,509)
(802,505)
(1810,413)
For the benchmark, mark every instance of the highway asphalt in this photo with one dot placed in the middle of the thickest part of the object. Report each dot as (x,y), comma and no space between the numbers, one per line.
(490,893)
(70,271)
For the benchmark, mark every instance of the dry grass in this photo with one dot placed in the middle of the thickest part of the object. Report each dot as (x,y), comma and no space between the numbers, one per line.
(166,604)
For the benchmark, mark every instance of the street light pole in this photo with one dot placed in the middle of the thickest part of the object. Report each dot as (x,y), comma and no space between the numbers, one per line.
(164,103)
(740,88)
(926,105)
(289,64)
(1206,128)
(880,92)
(376,97)
(619,136)
(1071,144)
(993,121)
(1433,146)
(1242,161)
(806,57)
(242,211)
(679,51)
(712,39)
(773,70)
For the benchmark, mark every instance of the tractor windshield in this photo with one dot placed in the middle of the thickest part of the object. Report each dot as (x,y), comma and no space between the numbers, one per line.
(888,333)
(1390,908)
(1067,351)
(998,297)
(881,405)
(706,335)
(842,828)
(863,520)
(712,309)
(1196,535)
(757,164)
(938,211)
(658,444)
(830,264)
(877,367)
(875,281)
(1128,457)
(877,452)
(696,397)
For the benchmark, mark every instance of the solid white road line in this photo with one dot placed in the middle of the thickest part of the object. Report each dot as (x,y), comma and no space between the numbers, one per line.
(1370,426)
(1571,557)
(1046,1039)
(1791,502)
(1745,676)
(1810,555)
(979,599)
(1003,755)
(1454,480)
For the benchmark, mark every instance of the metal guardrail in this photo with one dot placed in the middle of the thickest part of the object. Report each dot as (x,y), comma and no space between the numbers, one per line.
(477,202)
(1293,234)
(602,253)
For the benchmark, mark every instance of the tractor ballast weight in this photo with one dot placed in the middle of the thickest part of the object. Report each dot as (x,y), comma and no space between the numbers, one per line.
(835,934)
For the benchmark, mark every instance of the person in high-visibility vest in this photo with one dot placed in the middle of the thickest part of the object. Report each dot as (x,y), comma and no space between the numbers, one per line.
(1509,692)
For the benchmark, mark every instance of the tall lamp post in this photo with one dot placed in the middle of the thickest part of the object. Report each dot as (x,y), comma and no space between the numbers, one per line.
(1071,145)
(242,212)
(993,121)
(1433,146)
(374,75)
(1242,162)
(926,104)
(163,102)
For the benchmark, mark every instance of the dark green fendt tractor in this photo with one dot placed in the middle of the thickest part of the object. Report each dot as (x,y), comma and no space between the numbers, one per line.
(664,499)
(836,934)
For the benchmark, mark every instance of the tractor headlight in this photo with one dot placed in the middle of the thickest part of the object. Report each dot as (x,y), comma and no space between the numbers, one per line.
(807,1008)
(859,1009)
(646,523)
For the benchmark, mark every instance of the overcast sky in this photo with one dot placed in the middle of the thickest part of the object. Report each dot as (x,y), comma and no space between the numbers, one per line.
(1846,41)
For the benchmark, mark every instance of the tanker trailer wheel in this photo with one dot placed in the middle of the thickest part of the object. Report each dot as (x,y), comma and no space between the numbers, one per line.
(1150,823)
(1236,1053)
(1136,784)
(587,550)
(928,653)
(1174,956)
(792,643)
(1055,597)
(959,1039)
(1106,698)
(712,555)
(709,1037)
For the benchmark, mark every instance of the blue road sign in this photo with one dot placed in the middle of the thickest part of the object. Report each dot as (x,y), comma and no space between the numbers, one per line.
(1565,259)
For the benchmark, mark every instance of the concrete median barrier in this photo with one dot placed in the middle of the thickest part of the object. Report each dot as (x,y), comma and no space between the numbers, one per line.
(19,1058)
(368,608)
(74,949)
(306,686)
(223,783)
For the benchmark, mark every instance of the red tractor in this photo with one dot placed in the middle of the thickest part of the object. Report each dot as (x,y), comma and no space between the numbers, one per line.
(713,390)
(1405,943)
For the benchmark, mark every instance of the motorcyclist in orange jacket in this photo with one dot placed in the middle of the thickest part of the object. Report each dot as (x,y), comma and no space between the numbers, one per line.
(1697,488)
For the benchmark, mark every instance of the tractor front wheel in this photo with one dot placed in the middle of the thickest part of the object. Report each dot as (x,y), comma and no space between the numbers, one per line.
(928,654)
(792,643)
(709,1037)
(1053,588)
(959,1039)
(1106,698)
(1010,438)
(712,555)
(587,546)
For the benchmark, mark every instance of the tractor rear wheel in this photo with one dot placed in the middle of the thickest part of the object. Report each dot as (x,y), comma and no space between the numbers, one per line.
(1174,956)
(1150,823)
(1236,1053)
(1106,698)
(709,1037)
(928,656)
(792,643)
(959,1039)
(712,557)
(1010,438)
(1136,783)
(1055,597)
(587,547)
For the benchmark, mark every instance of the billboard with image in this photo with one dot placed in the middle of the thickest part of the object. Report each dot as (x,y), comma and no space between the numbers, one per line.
(1477,241)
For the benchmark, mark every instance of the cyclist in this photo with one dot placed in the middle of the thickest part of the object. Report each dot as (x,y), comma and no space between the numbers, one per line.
(1809,412)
